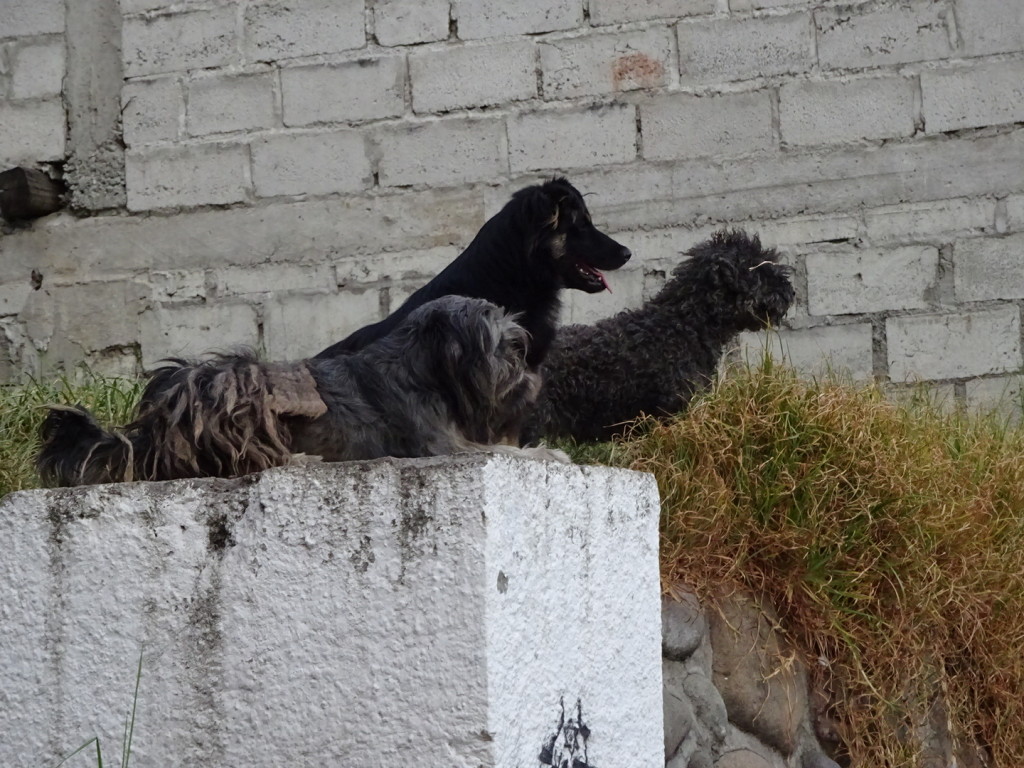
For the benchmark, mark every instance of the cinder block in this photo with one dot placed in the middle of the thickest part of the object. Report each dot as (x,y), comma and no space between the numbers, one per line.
(340,228)
(350,92)
(877,35)
(181,41)
(499,18)
(395,266)
(98,315)
(721,50)
(280,29)
(572,139)
(608,63)
(989,268)
(204,174)
(988,94)
(1001,396)
(841,349)
(278,278)
(32,17)
(310,164)
(739,6)
(153,110)
(220,104)
(191,330)
(300,325)
(473,76)
(990,26)
(833,112)
(932,220)
(957,346)
(806,230)
(404,22)
(1015,212)
(37,69)
(852,281)
(441,152)
(620,11)
(32,131)
(679,126)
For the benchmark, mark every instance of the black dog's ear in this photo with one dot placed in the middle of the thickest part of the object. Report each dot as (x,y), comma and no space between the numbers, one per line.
(540,209)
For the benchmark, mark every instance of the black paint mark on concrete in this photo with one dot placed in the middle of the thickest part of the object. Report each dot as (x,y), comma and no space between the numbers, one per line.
(364,556)
(567,747)
(502,582)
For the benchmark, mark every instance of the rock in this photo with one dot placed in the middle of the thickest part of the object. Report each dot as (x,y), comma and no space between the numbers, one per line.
(680,718)
(708,706)
(683,626)
(738,742)
(742,758)
(761,681)
(817,760)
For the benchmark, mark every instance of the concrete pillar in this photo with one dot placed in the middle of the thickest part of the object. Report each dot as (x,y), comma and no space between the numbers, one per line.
(473,610)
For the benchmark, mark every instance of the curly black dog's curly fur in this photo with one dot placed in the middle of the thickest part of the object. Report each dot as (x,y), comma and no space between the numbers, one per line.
(452,377)
(542,241)
(652,359)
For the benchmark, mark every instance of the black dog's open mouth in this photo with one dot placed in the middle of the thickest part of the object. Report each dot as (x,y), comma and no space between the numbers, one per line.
(592,277)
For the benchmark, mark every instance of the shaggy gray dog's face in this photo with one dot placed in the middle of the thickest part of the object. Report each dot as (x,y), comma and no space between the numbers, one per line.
(766,294)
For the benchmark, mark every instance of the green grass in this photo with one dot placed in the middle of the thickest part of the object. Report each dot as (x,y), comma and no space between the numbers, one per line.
(22,408)
(890,538)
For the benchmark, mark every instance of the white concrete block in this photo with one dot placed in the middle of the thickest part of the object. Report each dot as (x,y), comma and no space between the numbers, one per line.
(310,164)
(679,125)
(220,103)
(498,18)
(852,281)
(280,29)
(470,610)
(190,175)
(954,346)
(442,152)
(841,349)
(37,69)
(990,26)
(404,22)
(721,50)
(989,94)
(300,325)
(737,6)
(931,220)
(473,76)
(833,112)
(876,35)
(989,268)
(152,110)
(1015,212)
(608,63)
(400,265)
(349,92)
(32,131)
(579,138)
(620,11)
(193,330)
(182,41)
(32,17)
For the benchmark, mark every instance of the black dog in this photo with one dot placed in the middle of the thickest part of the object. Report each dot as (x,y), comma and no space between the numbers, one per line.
(452,377)
(653,359)
(542,241)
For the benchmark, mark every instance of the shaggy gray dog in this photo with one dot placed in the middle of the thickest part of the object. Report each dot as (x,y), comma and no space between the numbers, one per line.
(653,359)
(452,377)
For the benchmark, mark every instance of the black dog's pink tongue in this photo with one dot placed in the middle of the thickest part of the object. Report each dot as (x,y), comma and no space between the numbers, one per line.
(598,274)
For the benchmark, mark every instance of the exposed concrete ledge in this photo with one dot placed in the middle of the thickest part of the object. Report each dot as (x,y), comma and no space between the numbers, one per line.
(434,612)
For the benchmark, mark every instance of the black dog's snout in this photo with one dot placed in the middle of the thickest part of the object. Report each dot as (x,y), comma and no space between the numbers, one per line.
(626,254)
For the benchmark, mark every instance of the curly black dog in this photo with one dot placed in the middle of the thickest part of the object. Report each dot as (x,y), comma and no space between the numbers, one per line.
(451,377)
(653,359)
(542,241)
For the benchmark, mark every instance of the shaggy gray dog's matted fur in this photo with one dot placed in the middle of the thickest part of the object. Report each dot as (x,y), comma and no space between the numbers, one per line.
(451,377)
(651,360)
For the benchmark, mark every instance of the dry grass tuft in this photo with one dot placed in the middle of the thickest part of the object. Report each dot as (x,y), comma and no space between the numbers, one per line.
(22,408)
(890,539)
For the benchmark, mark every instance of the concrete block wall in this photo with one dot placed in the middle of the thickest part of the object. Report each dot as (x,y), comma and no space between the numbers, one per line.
(293,170)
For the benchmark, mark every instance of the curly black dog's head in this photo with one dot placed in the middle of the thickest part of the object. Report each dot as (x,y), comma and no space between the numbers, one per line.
(734,278)
(565,240)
